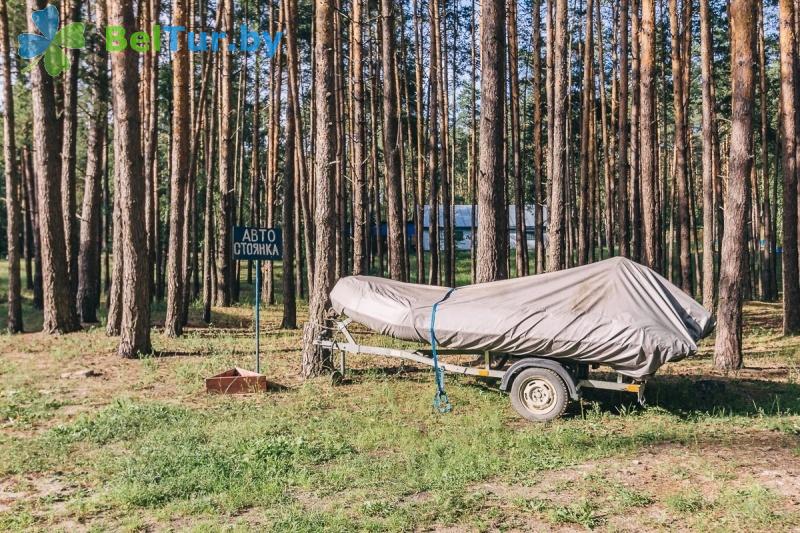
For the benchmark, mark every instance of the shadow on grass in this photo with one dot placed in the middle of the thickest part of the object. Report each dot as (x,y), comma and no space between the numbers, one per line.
(684,396)
(177,353)
(706,394)
(397,370)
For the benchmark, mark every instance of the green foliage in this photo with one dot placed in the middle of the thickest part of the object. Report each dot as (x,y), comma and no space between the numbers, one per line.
(24,408)
(583,513)
(121,421)
(690,501)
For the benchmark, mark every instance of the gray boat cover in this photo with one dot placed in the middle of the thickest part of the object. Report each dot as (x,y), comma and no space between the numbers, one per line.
(615,312)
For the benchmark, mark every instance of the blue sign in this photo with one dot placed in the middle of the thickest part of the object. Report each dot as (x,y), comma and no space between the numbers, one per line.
(260,244)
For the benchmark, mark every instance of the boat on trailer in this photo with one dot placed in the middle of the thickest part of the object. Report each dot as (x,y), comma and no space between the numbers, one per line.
(538,335)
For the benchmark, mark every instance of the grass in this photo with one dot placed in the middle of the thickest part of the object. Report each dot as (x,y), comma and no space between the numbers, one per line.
(143,447)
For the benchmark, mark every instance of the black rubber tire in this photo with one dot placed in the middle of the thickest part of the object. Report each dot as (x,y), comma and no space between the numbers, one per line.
(548,385)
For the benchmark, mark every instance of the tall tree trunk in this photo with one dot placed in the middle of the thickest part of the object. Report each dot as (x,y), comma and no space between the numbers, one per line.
(151,160)
(91,215)
(433,146)
(209,244)
(608,178)
(315,360)
(303,186)
(420,152)
(59,308)
(374,114)
(29,179)
(360,189)
(226,168)
(728,347)
(342,238)
(635,208)
(768,249)
(558,178)
(13,189)
(179,198)
(69,145)
(135,326)
(521,251)
(492,235)
(274,149)
(788,122)
(682,221)
(538,169)
(587,112)
(289,320)
(447,167)
(27,228)
(647,124)
(623,223)
(707,52)
(392,146)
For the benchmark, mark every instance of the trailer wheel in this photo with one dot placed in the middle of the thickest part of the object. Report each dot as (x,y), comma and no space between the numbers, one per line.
(539,394)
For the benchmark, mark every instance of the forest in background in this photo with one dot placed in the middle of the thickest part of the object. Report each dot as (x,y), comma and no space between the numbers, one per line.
(664,131)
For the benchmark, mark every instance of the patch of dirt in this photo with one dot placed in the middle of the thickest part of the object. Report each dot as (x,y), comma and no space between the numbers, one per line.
(764,458)
(31,487)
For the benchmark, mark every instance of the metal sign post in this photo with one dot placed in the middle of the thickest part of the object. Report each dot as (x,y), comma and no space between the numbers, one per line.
(258,244)
(258,309)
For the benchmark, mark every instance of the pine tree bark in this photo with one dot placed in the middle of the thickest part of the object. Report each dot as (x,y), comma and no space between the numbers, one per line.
(706,52)
(768,250)
(419,216)
(13,189)
(728,346)
(587,114)
(289,320)
(448,240)
(27,228)
(623,223)
(69,145)
(391,145)
(556,259)
(151,163)
(179,198)
(91,215)
(209,244)
(635,207)
(59,308)
(135,324)
(788,122)
(682,221)
(226,169)
(647,129)
(538,168)
(433,146)
(608,179)
(315,361)
(521,250)
(492,252)
(31,188)
(360,192)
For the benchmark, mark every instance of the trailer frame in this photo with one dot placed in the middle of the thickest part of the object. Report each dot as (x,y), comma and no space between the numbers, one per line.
(575,375)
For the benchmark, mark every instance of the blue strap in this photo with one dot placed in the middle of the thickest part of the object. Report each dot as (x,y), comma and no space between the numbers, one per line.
(440,400)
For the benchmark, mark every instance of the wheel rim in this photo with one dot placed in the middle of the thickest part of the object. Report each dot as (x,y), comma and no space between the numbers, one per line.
(538,395)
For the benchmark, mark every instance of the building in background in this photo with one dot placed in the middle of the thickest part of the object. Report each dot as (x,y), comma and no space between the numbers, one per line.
(462,226)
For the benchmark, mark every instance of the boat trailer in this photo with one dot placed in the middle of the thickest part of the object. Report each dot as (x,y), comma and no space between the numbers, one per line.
(540,388)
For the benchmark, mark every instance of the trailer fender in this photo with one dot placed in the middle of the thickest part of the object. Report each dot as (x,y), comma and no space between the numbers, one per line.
(537,362)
